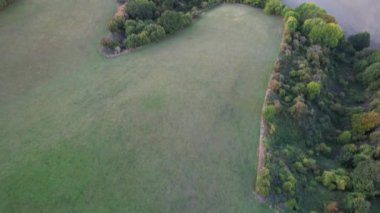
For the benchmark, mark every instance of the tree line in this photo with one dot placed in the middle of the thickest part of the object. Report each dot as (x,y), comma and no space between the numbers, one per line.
(324,106)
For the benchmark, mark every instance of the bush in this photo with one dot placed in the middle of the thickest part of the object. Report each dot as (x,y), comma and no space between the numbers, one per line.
(273,7)
(173,21)
(263,182)
(108,43)
(360,40)
(269,113)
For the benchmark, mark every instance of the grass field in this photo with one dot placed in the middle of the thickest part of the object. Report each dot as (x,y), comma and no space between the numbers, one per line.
(171,127)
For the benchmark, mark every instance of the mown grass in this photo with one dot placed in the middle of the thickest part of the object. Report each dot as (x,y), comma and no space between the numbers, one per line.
(171,127)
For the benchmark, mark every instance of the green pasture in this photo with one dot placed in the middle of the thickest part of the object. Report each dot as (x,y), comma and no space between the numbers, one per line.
(170,127)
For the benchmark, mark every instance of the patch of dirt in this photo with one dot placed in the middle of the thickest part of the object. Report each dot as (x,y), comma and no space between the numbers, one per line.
(120,10)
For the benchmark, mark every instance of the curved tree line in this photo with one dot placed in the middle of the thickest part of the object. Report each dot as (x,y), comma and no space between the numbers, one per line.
(323,105)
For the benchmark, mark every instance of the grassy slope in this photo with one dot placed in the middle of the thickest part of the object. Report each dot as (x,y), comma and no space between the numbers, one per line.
(170,127)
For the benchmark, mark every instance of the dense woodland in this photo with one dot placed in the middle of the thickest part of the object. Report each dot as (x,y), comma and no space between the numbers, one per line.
(323,118)
(323,150)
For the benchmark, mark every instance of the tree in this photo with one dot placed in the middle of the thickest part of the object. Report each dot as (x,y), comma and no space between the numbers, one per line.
(256,3)
(141,9)
(134,26)
(371,76)
(374,57)
(273,7)
(331,207)
(291,24)
(116,24)
(313,90)
(344,137)
(309,10)
(173,21)
(299,108)
(132,41)
(155,32)
(360,40)
(356,202)
(326,34)
(335,179)
(323,149)
(364,122)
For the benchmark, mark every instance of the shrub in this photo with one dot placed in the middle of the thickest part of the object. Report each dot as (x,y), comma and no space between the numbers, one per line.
(360,40)
(173,21)
(116,24)
(108,43)
(269,113)
(263,182)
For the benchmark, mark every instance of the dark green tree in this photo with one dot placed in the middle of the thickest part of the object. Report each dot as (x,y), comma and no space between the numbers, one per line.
(360,40)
